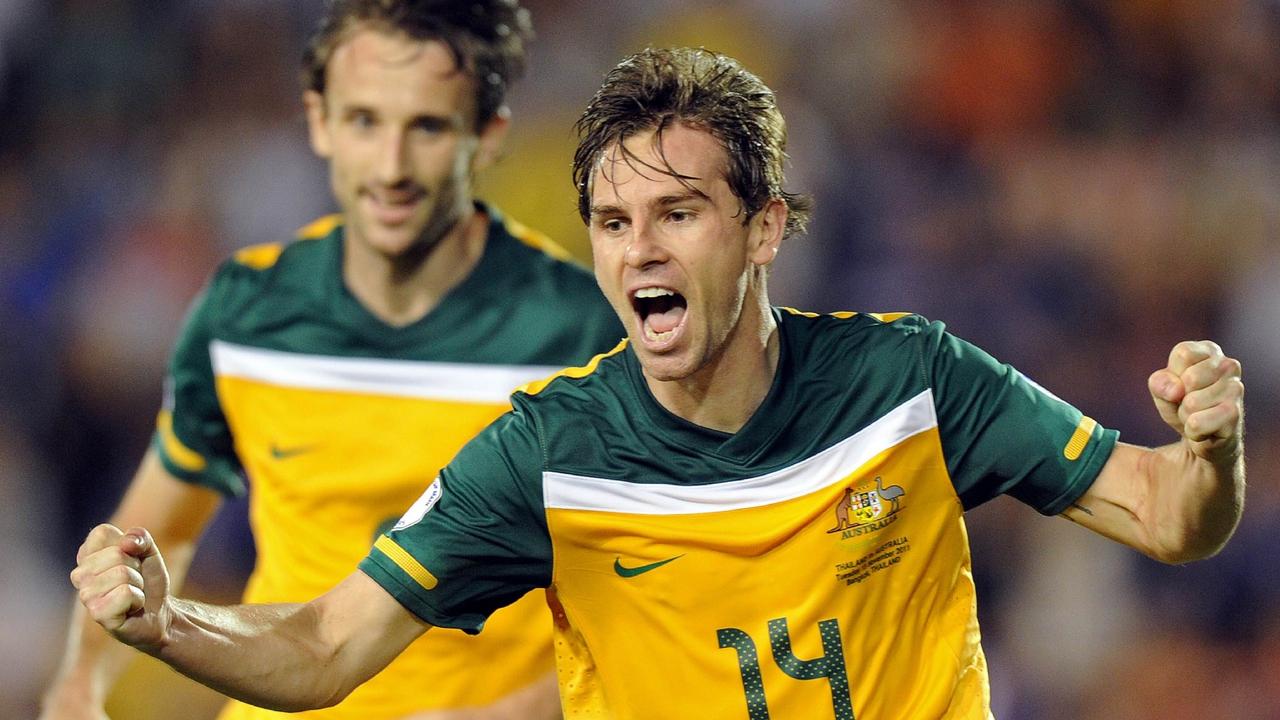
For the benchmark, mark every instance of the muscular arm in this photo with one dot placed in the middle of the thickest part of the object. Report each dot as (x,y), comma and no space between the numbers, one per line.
(178,513)
(1179,502)
(290,657)
(287,657)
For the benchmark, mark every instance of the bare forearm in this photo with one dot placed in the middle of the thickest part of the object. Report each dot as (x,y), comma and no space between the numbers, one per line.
(1196,503)
(267,655)
(284,657)
(289,657)
(1166,502)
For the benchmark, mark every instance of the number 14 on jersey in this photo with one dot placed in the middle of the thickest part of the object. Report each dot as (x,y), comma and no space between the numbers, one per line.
(830,666)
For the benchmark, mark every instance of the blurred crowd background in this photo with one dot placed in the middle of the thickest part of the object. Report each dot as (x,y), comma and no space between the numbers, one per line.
(1075,185)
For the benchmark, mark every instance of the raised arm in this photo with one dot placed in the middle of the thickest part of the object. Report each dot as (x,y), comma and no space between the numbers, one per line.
(177,512)
(1179,502)
(286,657)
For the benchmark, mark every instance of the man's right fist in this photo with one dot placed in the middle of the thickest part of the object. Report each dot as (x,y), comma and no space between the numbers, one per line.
(123,585)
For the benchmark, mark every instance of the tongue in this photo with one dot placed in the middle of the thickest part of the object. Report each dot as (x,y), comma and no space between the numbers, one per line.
(665,321)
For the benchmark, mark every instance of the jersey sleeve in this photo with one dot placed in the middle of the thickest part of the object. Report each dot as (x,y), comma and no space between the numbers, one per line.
(477,539)
(1003,433)
(192,437)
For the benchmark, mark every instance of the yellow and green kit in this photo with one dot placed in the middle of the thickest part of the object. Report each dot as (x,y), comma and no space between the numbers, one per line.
(338,421)
(812,565)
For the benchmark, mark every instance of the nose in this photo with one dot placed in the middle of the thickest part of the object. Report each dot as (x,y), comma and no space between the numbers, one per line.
(393,163)
(645,248)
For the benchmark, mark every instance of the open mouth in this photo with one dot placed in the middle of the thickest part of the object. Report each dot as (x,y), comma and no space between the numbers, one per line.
(661,312)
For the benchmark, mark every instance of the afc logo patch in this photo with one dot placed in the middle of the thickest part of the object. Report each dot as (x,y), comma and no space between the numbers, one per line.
(420,508)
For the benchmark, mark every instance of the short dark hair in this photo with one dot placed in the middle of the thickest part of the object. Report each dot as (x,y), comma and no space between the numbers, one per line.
(486,37)
(657,88)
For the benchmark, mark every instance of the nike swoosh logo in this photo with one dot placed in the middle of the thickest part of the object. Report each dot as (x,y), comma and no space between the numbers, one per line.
(284,453)
(631,572)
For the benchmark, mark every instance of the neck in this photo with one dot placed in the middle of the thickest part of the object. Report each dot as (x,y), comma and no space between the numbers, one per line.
(724,393)
(402,289)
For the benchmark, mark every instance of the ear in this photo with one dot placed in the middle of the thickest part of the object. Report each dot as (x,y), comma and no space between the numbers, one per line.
(766,230)
(492,136)
(317,127)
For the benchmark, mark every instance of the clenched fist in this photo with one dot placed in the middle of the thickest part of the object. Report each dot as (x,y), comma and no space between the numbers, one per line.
(123,585)
(1201,396)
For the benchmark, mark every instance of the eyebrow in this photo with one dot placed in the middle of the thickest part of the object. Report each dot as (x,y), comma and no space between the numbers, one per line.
(605,210)
(352,107)
(664,201)
(692,194)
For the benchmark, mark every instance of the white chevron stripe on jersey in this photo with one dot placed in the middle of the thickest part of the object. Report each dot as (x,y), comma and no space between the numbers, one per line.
(449,382)
(576,492)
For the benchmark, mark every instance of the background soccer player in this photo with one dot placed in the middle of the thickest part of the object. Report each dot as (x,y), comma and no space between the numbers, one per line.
(678,495)
(342,370)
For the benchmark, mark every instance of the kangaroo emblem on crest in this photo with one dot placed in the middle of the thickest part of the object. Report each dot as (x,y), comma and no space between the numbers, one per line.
(845,506)
(842,511)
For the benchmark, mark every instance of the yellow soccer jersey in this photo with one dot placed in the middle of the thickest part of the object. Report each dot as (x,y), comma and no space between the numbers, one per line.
(813,565)
(338,421)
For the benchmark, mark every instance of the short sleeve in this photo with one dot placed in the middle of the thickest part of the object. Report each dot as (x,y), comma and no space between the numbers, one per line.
(192,437)
(1003,433)
(477,539)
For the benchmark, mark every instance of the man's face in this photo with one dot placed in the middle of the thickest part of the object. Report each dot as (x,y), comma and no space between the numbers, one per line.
(397,124)
(675,259)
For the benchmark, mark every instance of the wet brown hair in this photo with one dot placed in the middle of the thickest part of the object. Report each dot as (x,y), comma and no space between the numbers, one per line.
(657,88)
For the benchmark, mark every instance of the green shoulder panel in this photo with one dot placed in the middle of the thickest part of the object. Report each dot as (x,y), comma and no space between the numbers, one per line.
(1003,433)
(592,421)
(276,296)
(1000,432)
(477,541)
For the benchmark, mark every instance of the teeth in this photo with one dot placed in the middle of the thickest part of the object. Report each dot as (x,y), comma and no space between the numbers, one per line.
(650,334)
(653,292)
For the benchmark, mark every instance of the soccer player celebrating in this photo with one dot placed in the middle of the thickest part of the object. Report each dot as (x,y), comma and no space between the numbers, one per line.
(744,512)
(341,371)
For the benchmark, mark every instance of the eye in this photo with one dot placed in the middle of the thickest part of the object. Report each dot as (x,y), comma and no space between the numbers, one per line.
(431,125)
(680,216)
(361,120)
(613,225)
